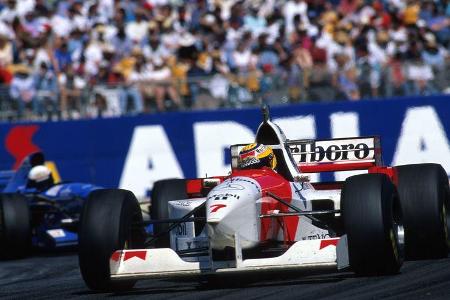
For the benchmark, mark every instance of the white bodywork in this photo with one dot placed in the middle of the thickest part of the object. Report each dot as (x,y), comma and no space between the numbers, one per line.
(165,262)
(232,207)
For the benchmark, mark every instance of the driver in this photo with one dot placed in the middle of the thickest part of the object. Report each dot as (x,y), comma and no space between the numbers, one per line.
(40,177)
(256,156)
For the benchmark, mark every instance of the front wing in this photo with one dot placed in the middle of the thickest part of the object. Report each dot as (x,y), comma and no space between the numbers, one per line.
(165,262)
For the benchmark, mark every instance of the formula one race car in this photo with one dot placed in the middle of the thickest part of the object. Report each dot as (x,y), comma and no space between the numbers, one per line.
(264,219)
(36,211)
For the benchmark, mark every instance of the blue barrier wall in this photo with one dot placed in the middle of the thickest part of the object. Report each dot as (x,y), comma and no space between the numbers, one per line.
(133,152)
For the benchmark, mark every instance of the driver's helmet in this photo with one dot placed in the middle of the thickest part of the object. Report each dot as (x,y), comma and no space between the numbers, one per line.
(256,156)
(40,177)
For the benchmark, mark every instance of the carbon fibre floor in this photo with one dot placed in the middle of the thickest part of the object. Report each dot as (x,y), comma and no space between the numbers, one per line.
(56,276)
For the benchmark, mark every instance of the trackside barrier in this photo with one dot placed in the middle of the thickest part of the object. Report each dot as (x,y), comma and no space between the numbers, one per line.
(133,152)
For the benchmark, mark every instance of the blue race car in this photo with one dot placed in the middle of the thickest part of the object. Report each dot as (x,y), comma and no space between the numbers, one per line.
(37,212)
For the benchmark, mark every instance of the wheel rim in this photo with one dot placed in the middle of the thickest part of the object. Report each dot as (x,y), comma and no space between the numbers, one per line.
(397,233)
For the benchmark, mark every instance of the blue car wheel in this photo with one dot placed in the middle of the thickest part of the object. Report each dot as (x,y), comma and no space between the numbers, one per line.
(15,229)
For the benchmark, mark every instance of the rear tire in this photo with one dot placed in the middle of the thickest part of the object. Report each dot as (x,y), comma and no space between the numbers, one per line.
(372,222)
(106,226)
(15,228)
(163,192)
(424,196)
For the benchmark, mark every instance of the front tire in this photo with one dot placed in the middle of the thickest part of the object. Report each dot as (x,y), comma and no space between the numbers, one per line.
(163,192)
(372,222)
(109,222)
(15,227)
(424,196)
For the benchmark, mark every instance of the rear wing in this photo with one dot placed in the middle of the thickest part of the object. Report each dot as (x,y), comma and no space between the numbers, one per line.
(314,156)
(342,154)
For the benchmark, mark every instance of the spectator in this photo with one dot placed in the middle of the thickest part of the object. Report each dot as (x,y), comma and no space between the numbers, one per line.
(9,13)
(71,89)
(99,106)
(62,55)
(242,58)
(293,8)
(43,54)
(23,92)
(75,45)
(266,54)
(432,54)
(32,25)
(219,84)
(396,79)
(94,56)
(301,65)
(254,22)
(439,25)
(368,74)
(420,75)
(47,93)
(122,44)
(160,76)
(61,25)
(6,51)
(411,12)
(345,78)
(155,49)
(340,46)
(137,30)
(377,62)
(135,87)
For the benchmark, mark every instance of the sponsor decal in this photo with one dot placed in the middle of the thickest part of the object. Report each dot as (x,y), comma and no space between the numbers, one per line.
(225,196)
(130,254)
(127,254)
(249,162)
(229,186)
(317,236)
(216,207)
(183,203)
(330,242)
(319,152)
(181,229)
(248,154)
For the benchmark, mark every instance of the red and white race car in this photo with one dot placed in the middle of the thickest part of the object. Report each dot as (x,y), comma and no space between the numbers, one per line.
(253,220)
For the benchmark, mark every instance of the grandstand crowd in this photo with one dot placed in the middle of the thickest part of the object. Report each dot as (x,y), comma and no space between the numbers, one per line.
(76,59)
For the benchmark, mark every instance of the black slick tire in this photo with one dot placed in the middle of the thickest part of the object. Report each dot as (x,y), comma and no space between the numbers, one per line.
(424,196)
(15,226)
(109,222)
(163,192)
(372,222)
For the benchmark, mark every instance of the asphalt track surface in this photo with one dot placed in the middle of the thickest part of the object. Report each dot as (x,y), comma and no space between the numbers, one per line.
(56,276)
